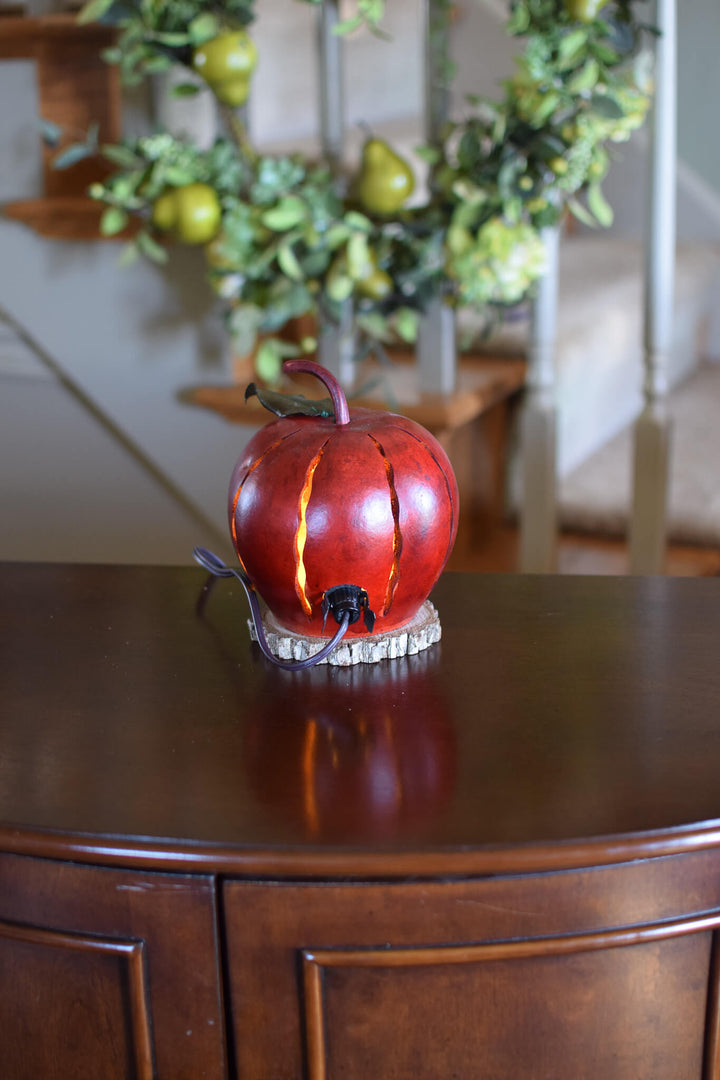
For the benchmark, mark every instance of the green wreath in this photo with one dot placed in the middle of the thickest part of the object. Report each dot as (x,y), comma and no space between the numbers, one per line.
(286,236)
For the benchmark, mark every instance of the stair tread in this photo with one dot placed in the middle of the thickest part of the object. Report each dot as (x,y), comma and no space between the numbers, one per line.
(596,496)
(602,272)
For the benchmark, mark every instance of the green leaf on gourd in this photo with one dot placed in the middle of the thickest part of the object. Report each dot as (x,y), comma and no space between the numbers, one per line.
(289,404)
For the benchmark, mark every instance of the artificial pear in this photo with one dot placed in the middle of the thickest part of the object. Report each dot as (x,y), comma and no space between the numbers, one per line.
(226,63)
(385,180)
(584,10)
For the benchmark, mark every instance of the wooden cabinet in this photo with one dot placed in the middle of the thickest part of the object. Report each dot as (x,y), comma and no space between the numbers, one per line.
(603,973)
(108,973)
(498,859)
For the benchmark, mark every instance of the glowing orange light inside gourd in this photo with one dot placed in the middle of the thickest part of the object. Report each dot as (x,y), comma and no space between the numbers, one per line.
(397,535)
(301,533)
(236,500)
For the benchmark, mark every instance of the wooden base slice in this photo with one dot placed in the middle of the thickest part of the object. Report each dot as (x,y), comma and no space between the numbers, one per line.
(420,633)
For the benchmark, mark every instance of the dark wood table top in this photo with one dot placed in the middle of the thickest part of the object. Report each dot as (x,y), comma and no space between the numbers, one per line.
(560,722)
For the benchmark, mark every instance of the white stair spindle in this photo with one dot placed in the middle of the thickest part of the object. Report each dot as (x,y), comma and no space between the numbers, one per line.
(336,346)
(652,429)
(331,84)
(436,38)
(538,500)
(437,345)
(336,341)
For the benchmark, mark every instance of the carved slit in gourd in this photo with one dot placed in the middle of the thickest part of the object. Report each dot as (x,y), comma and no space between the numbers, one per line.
(301,532)
(251,468)
(397,535)
(448,487)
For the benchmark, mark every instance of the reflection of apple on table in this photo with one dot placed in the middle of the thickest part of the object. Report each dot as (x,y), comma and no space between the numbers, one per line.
(377,759)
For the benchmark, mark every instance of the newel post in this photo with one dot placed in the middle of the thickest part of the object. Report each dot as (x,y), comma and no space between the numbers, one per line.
(336,348)
(538,433)
(436,345)
(652,429)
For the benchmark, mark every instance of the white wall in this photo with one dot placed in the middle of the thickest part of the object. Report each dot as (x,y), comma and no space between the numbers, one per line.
(699,88)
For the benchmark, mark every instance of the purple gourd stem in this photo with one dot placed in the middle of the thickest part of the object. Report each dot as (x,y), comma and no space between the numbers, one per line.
(337,395)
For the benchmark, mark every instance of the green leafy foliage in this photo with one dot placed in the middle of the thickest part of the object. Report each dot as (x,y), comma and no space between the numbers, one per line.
(154,34)
(293,240)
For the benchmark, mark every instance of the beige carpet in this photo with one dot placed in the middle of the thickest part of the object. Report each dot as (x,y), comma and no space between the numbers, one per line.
(595,497)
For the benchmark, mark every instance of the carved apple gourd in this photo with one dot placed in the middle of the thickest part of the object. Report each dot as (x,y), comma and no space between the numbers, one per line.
(363,497)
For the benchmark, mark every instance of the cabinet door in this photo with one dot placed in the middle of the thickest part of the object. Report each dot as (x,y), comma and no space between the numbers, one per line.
(107,974)
(607,974)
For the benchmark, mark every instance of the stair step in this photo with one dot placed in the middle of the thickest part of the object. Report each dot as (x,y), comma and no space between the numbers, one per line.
(595,498)
(599,345)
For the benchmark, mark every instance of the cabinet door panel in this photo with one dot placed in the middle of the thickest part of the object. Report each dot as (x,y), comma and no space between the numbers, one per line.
(73,1005)
(603,973)
(607,1011)
(108,973)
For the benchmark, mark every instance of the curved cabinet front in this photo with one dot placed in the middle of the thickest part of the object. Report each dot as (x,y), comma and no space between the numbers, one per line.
(496,860)
(108,974)
(603,973)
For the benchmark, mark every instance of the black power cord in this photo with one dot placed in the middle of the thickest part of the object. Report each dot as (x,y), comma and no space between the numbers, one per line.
(345,602)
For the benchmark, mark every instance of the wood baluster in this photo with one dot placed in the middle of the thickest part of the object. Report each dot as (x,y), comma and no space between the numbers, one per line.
(538,502)
(436,346)
(331,83)
(652,428)
(336,349)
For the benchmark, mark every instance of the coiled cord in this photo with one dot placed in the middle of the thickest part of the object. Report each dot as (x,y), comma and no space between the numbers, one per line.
(214,565)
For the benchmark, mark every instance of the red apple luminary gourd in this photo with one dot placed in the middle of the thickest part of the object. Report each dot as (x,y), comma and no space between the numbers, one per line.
(363,497)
